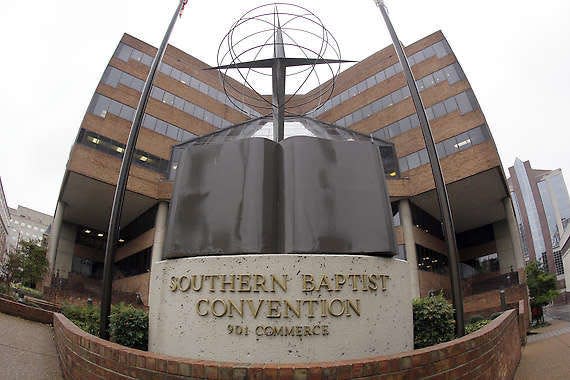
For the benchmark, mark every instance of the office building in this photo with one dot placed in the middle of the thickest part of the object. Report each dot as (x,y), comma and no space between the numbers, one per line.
(4,222)
(542,207)
(27,224)
(371,98)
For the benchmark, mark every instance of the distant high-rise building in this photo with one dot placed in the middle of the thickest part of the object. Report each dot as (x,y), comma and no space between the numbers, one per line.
(542,208)
(4,222)
(27,224)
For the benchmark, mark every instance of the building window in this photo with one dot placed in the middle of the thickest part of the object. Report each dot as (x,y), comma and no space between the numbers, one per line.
(558,263)
(430,260)
(116,149)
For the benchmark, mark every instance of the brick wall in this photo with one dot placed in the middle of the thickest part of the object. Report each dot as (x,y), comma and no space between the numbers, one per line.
(23,311)
(490,353)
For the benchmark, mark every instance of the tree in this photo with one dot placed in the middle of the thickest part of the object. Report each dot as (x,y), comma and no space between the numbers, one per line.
(11,267)
(541,284)
(34,262)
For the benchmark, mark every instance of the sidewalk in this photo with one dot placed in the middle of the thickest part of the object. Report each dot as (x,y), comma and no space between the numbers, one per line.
(547,353)
(27,350)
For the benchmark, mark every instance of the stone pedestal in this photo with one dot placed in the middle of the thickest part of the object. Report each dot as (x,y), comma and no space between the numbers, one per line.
(280,308)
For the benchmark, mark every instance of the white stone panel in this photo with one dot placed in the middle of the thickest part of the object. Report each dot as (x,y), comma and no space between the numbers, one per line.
(384,325)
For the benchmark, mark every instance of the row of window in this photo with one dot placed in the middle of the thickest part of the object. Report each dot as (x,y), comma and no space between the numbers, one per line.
(188,107)
(126,52)
(451,73)
(114,76)
(446,147)
(101,105)
(114,148)
(440,49)
(464,102)
(212,92)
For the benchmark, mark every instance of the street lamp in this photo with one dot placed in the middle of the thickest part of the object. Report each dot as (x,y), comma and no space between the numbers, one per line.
(440,188)
(116,210)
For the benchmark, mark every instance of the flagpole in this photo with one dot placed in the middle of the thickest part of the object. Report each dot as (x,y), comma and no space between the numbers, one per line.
(117,208)
(440,187)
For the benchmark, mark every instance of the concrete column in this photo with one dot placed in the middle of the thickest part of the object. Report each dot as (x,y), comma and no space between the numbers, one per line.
(514,232)
(65,249)
(54,234)
(159,231)
(410,244)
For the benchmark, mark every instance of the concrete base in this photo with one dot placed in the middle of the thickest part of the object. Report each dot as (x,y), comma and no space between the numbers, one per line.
(280,308)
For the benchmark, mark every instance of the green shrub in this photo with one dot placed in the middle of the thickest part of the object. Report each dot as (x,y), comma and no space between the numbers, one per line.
(433,321)
(474,326)
(476,318)
(495,315)
(29,291)
(129,326)
(85,317)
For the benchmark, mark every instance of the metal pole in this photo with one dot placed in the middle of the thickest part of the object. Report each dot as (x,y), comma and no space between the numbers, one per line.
(441,190)
(114,227)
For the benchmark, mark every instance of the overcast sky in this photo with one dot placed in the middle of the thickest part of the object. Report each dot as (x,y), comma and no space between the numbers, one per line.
(516,54)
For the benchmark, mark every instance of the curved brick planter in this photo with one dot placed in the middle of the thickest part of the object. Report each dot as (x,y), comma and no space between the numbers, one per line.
(24,311)
(490,353)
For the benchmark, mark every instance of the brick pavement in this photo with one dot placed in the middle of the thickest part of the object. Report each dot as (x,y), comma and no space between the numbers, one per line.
(27,350)
(547,353)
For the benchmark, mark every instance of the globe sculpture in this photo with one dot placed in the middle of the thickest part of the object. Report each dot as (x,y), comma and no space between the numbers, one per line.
(264,47)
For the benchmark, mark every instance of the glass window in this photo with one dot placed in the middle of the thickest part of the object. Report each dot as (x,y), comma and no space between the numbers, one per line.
(380,76)
(370,82)
(165,68)
(149,122)
(380,134)
(114,77)
(137,84)
(440,50)
(124,52)
(429,113)
(429,51)
(126,79)
(413,160)
(398,67)
(179,103)
(476,135)
(360,87)
(405,92)
(367,111)
(424,159)
(157,93)
(393,130)
(440,149)
(405,124)
(464,103)
(450,105)
(137,55)
(452,74)
(115,108)
(450,146)
(161,126)
(168,98)
(463,141)
(403,163)
(184,78)
(146,60)
(127,113)
(396,97)
(100,106)
(415,120)
(439,76)
(438,110)
(390,71)
(352,92)
(428,81)
(411,60)
(386,102)
(199,112)
(172,132)
(189,108)
(419,56)
(176,74)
